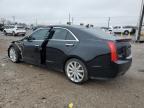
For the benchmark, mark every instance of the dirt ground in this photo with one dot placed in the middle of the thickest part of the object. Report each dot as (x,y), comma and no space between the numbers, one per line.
(26,86)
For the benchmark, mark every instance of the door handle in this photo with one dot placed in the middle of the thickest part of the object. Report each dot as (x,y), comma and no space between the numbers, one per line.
(36,45)
(69,45)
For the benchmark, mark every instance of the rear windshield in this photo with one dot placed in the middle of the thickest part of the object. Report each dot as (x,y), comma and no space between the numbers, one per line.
(100,33)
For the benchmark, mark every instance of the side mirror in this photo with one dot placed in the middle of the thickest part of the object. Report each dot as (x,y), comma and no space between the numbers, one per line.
(29,38)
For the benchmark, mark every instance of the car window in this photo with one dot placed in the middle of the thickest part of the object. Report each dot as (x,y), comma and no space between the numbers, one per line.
(96,32)
(20,27)
(6,27)
(117,27)
(127,27)
(11,27)
(59,34)
(40,34)
(70,36)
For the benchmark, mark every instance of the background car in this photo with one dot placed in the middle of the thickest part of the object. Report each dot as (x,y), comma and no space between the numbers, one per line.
(107,30)
(123,29)
(14,30)
(1,27)
(80,52)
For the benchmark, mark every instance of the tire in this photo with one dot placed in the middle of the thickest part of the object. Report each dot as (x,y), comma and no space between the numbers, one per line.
(126,32)
(13,33)
(23,34)
(13,54)
(75,74)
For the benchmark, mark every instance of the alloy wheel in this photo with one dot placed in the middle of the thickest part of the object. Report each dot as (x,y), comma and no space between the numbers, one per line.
(12,54)
(75,71)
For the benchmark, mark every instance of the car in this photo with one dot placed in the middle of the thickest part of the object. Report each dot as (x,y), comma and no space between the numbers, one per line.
(82,53)
(107,30)
(14,30)
(1,27)
(123,29)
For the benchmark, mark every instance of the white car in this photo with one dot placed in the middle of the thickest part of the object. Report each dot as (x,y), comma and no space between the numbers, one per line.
(14,30)
(107,30)
(122,29)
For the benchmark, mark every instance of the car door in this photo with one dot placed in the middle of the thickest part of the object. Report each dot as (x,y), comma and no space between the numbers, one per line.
(121,30)
(8,29)
(115,29)
(31,50)
(11,29)
(59,46)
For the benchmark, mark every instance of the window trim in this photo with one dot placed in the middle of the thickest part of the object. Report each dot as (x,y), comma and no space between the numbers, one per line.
(36,31)
(76,39)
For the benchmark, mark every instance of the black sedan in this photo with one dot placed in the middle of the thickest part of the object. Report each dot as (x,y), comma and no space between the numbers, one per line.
(80,52)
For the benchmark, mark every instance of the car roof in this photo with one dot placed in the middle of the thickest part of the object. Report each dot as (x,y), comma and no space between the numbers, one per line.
(84,33)
(77,30)
(68,26)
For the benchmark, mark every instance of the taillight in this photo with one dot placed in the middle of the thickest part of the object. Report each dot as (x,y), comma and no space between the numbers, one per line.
(112,46)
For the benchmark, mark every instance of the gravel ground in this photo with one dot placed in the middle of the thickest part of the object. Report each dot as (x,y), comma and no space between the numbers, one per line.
(26,86)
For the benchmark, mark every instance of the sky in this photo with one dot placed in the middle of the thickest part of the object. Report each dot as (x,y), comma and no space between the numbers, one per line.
(121,12)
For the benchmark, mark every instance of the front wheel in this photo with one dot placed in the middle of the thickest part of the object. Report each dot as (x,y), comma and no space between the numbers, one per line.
(23,34)
(76,71)
(13,54)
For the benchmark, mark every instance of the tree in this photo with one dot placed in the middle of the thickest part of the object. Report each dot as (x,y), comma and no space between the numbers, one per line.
(3,20)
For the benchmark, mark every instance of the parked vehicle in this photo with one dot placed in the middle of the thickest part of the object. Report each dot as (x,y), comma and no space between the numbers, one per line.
(1,27)
(123,29)
(107,30)
(14,30)
(80,52)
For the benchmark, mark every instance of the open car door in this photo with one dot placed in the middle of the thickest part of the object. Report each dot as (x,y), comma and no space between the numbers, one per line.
(32,46)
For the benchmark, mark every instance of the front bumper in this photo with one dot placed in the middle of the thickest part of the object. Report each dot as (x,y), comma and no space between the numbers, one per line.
(113,70)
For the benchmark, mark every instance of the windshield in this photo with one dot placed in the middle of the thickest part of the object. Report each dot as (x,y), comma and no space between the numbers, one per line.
(20,27)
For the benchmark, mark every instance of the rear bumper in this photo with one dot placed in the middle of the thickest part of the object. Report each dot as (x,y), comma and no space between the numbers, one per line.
(121,66)
(113,70)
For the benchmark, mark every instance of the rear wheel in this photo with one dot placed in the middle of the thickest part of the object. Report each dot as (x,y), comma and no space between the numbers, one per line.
(76,71)
(126,32)
(13,33)
(13,54)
